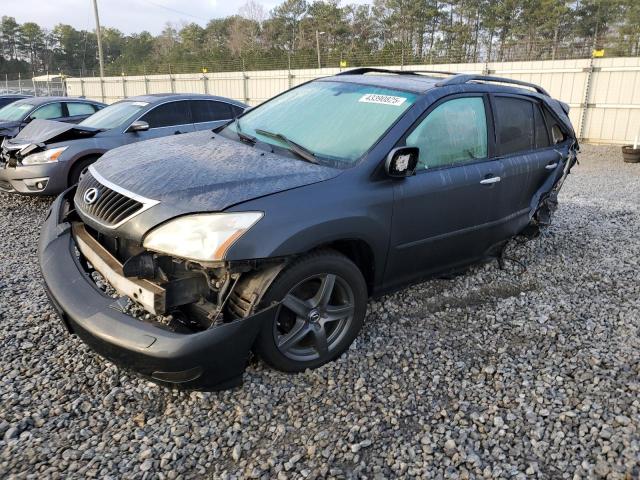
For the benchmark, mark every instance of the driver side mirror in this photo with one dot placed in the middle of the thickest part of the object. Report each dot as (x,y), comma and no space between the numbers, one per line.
(138,126)
(28,120)
(402,162)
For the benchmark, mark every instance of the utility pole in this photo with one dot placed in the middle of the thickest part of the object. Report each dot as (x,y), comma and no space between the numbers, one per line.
(99,36)
(318,46)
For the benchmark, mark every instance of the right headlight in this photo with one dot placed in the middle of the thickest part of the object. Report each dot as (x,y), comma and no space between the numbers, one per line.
(201,237)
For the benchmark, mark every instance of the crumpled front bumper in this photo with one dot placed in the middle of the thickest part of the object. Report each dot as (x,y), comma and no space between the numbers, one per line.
(214,359)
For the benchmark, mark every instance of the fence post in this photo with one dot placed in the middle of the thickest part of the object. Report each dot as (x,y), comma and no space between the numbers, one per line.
(289,74)
(102,97)
(245,84)
(82,93)
(587,96)
(6,81)
(124,86)
(20,84)
(173,87)
(205,84)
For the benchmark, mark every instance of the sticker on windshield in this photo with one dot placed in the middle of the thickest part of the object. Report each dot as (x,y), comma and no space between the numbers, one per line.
(382,99)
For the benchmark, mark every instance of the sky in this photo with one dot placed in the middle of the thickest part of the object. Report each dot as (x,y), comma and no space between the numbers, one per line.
(128,16)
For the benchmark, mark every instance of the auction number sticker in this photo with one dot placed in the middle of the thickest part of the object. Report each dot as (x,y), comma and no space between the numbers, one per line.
(382,99)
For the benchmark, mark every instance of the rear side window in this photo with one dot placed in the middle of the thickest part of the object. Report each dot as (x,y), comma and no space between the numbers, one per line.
(168,114)
(454,132)
(542,135)
(557,133)
(236,110)
(46,112)
(210,111)
(76,108)
(515,124)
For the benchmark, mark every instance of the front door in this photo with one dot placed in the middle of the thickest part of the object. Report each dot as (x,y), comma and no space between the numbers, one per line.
(171,118)
(441,214)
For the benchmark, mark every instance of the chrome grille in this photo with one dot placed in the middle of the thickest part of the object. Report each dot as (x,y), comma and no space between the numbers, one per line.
(103,204)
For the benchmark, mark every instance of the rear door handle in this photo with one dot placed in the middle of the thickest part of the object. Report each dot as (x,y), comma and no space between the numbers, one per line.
(490,180)
(551,166)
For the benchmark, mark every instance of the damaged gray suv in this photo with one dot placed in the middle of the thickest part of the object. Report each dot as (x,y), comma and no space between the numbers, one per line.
(177,257)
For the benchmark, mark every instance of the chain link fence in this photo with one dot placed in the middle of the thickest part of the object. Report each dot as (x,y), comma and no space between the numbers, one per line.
(36,86)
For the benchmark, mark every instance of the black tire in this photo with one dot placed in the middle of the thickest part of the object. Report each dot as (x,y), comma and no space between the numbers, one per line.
(79,168)
(339,319)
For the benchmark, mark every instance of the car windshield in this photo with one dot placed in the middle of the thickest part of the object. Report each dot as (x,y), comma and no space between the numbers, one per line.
(113,115)
(333,120)
(15,111)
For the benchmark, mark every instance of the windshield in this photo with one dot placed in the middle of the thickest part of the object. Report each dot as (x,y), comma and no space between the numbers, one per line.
(15,111)
(333,120)
(113,115)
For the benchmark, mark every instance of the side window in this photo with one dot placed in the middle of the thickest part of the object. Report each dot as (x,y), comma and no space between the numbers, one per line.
(515,125)
(76,108)
(5,101)
(542,135)
(454,132)
(557,134)
(47,112)
(210,111)
(168,114)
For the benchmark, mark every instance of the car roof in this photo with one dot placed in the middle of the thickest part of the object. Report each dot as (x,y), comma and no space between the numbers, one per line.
(14,95)
(422,81)
(41,100)
(159,97)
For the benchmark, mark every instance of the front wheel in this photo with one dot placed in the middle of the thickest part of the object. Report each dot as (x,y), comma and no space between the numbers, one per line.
(323,303)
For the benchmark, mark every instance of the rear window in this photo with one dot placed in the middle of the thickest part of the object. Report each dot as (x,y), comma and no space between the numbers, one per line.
(515,124)
(210,111)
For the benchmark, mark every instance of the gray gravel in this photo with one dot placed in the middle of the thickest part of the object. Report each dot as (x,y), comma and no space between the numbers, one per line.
(495,374)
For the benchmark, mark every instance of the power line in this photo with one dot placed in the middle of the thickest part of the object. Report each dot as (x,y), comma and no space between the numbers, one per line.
(179,12)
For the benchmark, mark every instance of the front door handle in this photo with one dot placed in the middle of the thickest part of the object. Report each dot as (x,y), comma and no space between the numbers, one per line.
(490,180)
(177,132)
(551,166)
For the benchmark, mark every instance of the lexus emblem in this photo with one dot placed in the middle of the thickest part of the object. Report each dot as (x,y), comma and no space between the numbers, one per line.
(91,196)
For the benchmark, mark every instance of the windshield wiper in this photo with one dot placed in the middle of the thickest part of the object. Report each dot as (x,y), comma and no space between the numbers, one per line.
(243,136)
(296,148)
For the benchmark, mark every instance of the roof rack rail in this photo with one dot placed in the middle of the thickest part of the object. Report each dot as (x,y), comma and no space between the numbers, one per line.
(465,78)
(363,70)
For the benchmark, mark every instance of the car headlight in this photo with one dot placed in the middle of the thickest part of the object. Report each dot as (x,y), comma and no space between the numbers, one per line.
(201,237)
(46,156)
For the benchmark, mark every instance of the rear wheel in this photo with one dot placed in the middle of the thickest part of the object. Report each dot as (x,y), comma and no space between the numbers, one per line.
(323,303)
(79,169)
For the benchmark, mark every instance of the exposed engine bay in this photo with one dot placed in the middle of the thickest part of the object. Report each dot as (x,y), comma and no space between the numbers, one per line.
(179,294)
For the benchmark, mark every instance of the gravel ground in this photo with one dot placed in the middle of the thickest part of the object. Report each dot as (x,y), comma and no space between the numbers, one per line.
(494,374)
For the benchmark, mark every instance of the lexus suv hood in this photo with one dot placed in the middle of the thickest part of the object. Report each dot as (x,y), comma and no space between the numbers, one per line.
(41,132)
(204,172)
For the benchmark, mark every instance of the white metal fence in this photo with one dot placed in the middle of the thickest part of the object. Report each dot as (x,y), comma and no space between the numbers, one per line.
(604,93)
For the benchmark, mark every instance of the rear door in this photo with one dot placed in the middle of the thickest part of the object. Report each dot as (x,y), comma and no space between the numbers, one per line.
(441,214)
(170,118)
(78,111)
(527,155)
(209,114)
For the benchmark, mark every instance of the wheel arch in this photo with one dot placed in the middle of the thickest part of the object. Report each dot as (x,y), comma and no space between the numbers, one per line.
(81,158)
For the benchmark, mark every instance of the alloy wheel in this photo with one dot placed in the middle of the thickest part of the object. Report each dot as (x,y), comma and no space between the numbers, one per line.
(313,317)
